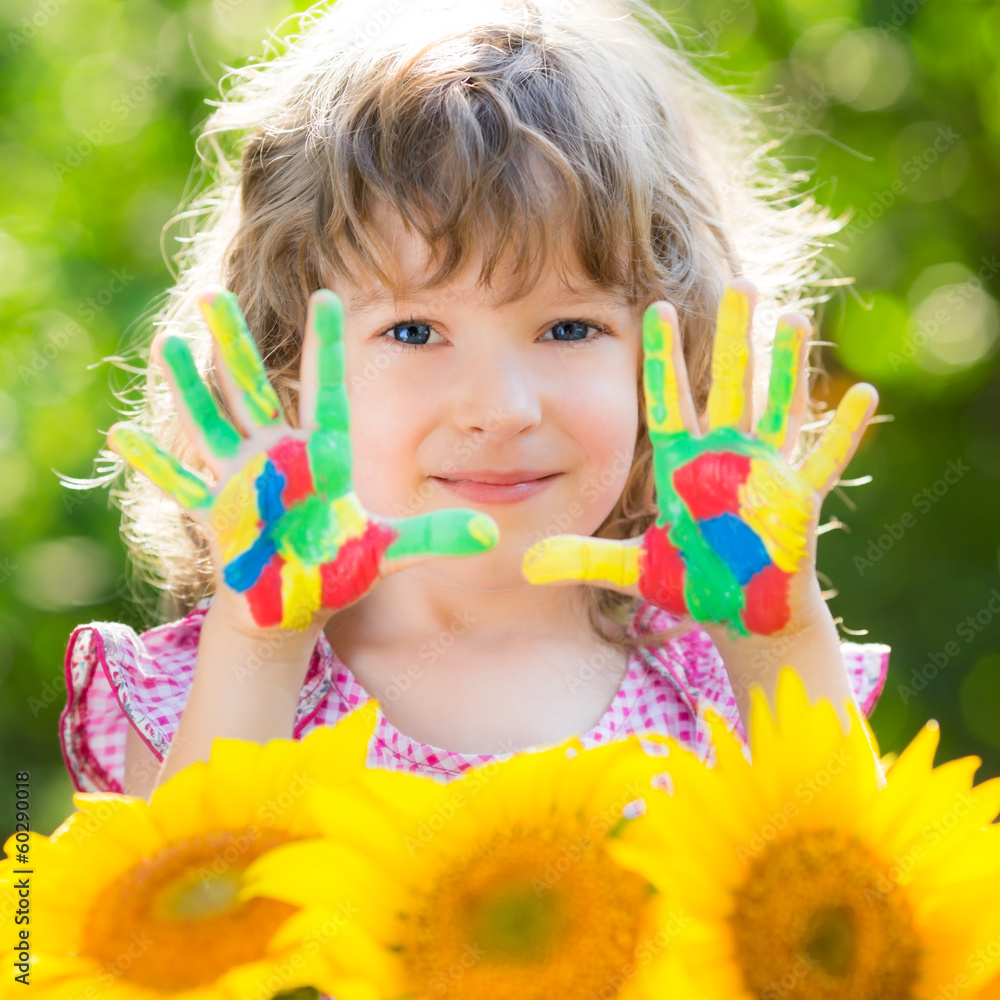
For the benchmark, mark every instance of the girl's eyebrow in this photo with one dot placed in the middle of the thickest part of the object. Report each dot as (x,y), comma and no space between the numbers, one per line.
(365,302)
(362,302)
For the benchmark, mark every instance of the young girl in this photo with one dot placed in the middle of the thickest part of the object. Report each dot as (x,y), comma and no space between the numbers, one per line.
(523,212)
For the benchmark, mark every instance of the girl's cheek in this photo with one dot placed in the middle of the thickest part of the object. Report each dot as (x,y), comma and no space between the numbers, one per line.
(603,419)
(385,448)
(607,402)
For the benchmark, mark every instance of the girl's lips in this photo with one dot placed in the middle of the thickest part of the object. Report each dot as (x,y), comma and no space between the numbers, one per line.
(494,493)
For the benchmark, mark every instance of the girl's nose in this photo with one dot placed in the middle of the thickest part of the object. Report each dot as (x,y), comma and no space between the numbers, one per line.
(497,395)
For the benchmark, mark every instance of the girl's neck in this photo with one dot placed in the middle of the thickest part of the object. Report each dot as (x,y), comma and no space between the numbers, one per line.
(423,602)
(478,670)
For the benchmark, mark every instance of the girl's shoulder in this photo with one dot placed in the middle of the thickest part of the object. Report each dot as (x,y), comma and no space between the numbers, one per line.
(116,677)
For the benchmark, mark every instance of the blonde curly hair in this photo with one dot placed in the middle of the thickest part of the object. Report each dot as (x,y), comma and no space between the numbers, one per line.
(449,112)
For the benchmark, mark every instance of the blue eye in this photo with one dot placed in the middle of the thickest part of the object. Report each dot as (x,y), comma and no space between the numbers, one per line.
(413,334)
(570,331)
(575,331)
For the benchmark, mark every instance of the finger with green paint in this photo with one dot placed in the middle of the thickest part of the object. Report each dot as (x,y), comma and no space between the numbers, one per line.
(289,533)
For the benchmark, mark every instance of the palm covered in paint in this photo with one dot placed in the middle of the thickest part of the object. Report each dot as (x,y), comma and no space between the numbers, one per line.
(292,536)
(736,522)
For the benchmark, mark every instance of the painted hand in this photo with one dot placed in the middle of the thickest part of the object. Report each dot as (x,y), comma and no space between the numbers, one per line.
(289,532)
(734,541)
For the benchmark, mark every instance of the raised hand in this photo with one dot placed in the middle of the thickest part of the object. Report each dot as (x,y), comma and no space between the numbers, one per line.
(734,540)
(290,534)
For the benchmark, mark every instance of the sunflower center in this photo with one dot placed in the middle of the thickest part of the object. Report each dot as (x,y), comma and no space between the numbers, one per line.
(516,924)
(527,915)
(829,940)
(171,922)
(817,919)
(198,896)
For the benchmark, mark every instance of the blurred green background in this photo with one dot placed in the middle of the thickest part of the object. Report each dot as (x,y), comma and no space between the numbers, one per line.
(896,107)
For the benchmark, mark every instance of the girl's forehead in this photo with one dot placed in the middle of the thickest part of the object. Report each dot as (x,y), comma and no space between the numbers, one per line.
(413,271)
(549,288)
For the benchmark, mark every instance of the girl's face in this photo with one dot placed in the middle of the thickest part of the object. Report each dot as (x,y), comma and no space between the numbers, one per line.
(447,385)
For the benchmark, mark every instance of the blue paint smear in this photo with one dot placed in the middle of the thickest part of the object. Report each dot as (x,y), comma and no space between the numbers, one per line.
(244,571)
(269,485)
(737,544)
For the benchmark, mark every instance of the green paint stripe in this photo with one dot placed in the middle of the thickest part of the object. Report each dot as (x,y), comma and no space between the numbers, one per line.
(240,355)
(330,463)
(781,388)
(451,532)
(654,375)
(672,450)
(309,529)
(332,411)
(220,435)
(144,454)
(713,592)
(653,362)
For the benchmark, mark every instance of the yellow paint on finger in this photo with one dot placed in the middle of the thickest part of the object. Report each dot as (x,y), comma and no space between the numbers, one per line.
(829,457)
(159,466)
(301,591)
(778,509)
(235,516)
(730,357)
(575,557)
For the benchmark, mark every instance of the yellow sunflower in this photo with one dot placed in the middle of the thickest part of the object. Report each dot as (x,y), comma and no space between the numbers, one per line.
(806,876)
(132,900)
(496,886)
(992,990)
(988,955)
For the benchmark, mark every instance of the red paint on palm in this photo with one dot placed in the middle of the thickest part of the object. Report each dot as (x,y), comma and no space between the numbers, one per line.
(766,609)
(264,597)
(354,570)
(661,571)
(708,484)
(292,460)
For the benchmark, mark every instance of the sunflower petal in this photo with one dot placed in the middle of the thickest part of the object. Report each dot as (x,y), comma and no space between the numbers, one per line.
(331,752)
(176,805)
(229,784)
(123,819)
(318,871)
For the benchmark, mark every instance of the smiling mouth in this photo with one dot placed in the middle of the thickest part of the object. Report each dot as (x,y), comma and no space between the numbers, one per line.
(496,482)
(499,479)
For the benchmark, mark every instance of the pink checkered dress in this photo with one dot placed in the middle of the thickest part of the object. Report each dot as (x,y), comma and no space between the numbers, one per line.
(115,677)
